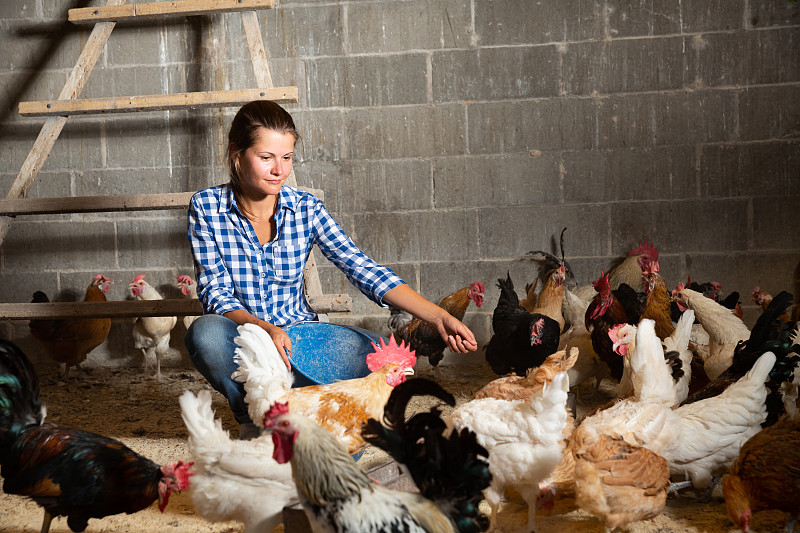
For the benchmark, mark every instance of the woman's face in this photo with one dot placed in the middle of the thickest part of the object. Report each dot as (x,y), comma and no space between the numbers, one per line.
(265,166)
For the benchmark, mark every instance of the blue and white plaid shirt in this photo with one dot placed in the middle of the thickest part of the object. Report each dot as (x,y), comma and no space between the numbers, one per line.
(235,272)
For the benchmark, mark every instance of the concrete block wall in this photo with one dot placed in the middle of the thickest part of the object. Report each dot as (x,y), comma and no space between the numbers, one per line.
(450,138)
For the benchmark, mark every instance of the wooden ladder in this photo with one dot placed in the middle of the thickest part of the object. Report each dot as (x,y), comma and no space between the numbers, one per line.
(57,112)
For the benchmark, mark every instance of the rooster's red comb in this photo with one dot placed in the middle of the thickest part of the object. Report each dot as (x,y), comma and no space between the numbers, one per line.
(277,409)
(478,286)
(185,279)
(181,471)
(101,277)
(601,285)
(401,355)
(613,333)
(647,266)
(646,249)
(139,278)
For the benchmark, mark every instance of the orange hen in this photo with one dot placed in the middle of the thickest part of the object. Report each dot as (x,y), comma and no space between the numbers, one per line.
(69,340)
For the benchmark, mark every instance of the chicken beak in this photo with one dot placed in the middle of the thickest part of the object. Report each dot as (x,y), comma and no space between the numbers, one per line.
(408,371)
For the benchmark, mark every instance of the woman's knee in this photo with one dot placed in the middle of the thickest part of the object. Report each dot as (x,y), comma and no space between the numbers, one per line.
(210,334)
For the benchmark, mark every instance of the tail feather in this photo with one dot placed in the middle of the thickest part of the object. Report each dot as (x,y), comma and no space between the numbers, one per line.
(20,406)
(262,370)
(449,470)
(553,397)
(507,293)
(206,435)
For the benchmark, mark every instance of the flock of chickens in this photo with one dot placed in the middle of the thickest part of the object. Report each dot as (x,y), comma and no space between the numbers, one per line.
(701,398)
(69,340)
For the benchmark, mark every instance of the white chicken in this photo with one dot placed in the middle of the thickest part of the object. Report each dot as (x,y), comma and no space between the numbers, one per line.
(524,440)
(724,328)
(189,288)
(151,333)
(234,479)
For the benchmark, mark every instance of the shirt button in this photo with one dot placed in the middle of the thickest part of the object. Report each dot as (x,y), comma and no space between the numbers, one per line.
(263,275)
(264,295)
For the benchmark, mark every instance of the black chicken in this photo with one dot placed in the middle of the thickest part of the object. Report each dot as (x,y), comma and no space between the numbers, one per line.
(69,471)
(521,340)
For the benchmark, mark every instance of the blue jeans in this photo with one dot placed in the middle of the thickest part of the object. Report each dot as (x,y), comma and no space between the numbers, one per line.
(211,347)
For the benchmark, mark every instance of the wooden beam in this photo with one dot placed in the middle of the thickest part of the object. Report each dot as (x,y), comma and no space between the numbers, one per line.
(175,8)
(156,102)
(105,204)
(116,309)
(258,53)
(95,204)
(53,125)
(330,303)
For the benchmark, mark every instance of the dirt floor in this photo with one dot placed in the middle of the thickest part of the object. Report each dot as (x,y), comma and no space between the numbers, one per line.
(144,414)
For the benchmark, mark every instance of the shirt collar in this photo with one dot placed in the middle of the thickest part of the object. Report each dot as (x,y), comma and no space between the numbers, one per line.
(287,198)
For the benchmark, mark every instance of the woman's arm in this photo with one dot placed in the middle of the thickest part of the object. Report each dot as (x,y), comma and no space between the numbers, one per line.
(459,338)
(279,337)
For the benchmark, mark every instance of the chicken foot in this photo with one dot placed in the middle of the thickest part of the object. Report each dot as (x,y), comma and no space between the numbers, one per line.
(790,524)
(46,522)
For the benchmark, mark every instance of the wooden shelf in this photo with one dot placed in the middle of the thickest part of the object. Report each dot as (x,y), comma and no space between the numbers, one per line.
(95,204)
(92,15)
(119,309)
(158,102)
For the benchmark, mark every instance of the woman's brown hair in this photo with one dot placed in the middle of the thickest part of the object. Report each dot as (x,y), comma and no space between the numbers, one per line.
(242,135)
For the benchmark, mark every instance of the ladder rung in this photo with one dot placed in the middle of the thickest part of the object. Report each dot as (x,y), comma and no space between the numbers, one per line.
(104,204)
(95,204)
(89,15)
(115,309)
(158,102)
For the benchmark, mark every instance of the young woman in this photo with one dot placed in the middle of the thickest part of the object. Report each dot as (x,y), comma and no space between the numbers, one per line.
(250,239)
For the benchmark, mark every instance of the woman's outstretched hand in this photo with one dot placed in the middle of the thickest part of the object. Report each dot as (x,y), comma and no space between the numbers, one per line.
(458,337)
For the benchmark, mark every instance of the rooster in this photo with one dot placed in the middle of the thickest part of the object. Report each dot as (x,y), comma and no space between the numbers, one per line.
(69,340)
(188,288)
(234,479)
(766,475)
(421,336)
(338,496)
(71,472)
(151,333)
(524,440)
(339,407)
(521,340)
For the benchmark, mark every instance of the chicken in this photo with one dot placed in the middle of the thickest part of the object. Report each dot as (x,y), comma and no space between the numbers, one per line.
(338,496)
(513,387)
(770,333)
(339,407)
(529,302)
(607,309)
(69,340)
(521,340)
(188,288)
(724,328)
(766,475)
(151,333)
(423,338)
(524,440)
(617,481)
(234,479)
(71,472)
(763,298)
(657,305)
(439,461)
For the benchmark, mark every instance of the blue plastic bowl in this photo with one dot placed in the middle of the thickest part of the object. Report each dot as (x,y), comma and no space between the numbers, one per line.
(323,353)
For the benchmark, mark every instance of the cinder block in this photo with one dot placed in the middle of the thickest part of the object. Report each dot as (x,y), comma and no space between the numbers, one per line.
(138,140)
(138,45)
(303,31)
(775,222)
(55,246)
(625,65)
(29,45)
(504,180)
(407,131)
(78,146)
(769,112)
(418,236)
(637,19)
(765,13)
(11,290)
(751,169)
(427,25)
(102,182)
(322,134)
(392,185)
(711,15)
(495,73)
(519,22)
(25,9)
(367,80)
(155,243)
(510,233)
(652,120)
(520,126)
(662,172)
(688,225)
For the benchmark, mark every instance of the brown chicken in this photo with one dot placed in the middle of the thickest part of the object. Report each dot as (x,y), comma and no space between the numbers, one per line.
(423,337)
(763,298)
(551,299)
(657,305)
(766,475)
(617,481)
(529,302)
(69,340)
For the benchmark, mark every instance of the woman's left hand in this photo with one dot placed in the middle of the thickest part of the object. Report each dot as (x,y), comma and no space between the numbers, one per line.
(458,337)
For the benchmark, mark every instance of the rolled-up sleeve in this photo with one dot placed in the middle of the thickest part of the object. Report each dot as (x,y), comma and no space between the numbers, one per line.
(215,287)
(372,279)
